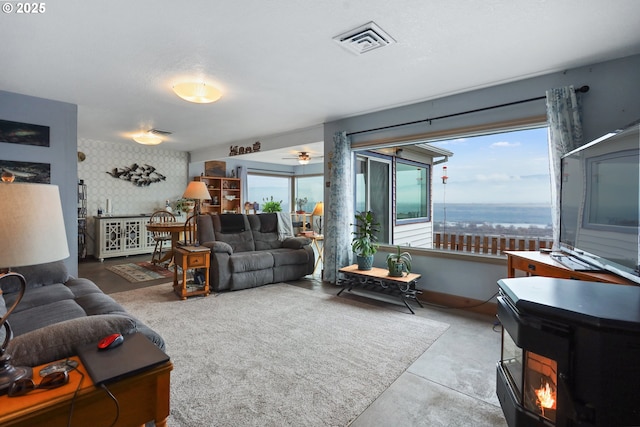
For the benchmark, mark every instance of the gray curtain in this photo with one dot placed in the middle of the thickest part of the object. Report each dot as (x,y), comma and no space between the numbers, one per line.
(565,134)
(339,209)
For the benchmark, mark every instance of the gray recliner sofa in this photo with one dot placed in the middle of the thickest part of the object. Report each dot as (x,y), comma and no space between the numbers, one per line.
(247,251)
(58,313)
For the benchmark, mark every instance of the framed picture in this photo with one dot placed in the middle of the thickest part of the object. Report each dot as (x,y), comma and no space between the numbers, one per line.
(24,133)
(215,168)
(27,171)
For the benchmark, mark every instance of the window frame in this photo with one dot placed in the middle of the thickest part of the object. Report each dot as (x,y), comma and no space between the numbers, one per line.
(428,169)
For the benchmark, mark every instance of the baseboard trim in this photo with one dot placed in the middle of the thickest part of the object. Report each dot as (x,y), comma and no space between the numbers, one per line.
(458,302)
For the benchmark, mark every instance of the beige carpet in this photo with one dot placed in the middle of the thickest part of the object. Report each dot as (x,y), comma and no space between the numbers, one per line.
(278,355)
(140,271)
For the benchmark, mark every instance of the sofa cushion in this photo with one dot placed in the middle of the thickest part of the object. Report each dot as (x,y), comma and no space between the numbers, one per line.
(232,223)
(36,275)
(295,242)
(289,257)
(205,228)
(268,223)
(59,340)
(94,304)
(250,261)
(265,231)
(241,241)
(37,297)
(44,315)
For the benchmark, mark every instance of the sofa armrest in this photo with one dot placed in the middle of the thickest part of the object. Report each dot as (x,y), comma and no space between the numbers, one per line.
(60,340)
(296,242)
(219,247)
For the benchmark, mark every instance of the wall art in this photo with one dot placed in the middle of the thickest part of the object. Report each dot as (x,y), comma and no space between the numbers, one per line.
(139,175)
(24,133)
(27,171)
(235,150)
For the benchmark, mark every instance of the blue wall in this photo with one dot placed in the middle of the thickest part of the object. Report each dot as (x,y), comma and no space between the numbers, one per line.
(62,119)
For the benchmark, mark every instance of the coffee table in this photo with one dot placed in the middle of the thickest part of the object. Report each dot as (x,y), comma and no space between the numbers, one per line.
(378,280)
(142,398)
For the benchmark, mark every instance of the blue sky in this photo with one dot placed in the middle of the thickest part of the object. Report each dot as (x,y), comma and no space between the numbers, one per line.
(508,167)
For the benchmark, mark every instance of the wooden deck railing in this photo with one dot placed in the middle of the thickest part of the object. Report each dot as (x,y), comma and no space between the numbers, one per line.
(493,245)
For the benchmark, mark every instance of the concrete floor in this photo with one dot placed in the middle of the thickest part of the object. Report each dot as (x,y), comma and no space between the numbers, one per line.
(451,384)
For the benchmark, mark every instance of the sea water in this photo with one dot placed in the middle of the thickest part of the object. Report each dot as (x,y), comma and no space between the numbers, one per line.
(518,215)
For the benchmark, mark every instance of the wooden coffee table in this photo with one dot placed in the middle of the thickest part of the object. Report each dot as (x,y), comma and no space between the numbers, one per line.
(142,398)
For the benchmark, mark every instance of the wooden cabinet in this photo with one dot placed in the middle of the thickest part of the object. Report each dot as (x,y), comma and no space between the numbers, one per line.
(535,263)
(226,194)
(120,236)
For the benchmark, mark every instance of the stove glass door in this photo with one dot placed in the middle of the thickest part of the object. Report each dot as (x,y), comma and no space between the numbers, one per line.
(540,385)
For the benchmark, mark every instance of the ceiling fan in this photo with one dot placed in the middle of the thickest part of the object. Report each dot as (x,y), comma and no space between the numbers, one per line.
(303,157)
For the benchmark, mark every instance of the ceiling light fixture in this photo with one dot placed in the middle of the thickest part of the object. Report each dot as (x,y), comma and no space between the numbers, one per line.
(147,138)
(303,158)
(198,92)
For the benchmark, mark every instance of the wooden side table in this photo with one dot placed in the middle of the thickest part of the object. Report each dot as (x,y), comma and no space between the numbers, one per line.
(189,257)
(142,398)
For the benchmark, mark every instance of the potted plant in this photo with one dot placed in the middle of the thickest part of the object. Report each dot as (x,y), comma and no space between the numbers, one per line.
(185,205)
(399,263)
(364,243)
(271,205)
(300,203)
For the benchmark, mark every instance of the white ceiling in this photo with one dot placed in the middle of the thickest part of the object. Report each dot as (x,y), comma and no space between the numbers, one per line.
(277,63)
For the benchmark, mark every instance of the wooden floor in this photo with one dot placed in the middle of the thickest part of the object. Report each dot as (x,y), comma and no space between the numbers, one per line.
(110,282)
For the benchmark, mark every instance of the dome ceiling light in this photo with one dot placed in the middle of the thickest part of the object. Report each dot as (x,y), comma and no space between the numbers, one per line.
(150,137)
(197,92)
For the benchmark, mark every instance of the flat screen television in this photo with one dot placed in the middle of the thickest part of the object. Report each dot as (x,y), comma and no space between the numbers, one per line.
(600,205)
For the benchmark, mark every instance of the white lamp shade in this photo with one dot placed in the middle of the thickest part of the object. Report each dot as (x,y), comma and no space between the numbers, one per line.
(197,92)
(197,190)
(31,225)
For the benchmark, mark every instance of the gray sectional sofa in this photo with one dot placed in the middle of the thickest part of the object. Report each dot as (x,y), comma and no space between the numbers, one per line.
(58,313)
(249,251)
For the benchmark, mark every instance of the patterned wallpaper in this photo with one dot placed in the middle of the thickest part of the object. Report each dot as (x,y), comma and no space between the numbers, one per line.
(125,197)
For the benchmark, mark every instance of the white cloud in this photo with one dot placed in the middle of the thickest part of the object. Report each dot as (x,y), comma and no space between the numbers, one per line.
(507,144)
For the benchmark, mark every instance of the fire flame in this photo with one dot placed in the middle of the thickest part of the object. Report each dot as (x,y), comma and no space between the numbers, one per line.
(546,397)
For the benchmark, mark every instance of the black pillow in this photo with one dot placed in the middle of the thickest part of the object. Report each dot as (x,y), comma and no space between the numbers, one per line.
(268,223)
(231,223)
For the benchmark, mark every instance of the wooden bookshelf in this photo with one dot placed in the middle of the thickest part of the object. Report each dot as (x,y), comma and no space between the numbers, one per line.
(226,194)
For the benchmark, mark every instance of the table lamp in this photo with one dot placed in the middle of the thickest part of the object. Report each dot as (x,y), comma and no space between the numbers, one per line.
(197,190)
(32,232)
(318,211)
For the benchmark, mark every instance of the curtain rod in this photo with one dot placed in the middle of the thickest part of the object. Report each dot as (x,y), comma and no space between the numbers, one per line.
(582,89)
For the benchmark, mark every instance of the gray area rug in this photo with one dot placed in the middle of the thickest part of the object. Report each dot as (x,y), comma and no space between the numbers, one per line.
(278,355)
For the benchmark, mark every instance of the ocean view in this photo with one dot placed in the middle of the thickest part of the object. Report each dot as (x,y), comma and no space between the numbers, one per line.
(518,215)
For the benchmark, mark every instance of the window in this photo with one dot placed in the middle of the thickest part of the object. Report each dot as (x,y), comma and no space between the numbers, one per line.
(412,191)
(498,184)
(263,187)
(373,190)
(310,187)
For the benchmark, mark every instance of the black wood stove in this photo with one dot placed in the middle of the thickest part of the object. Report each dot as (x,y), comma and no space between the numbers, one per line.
(570,353)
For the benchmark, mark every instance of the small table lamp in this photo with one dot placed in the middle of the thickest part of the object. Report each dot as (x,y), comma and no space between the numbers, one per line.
(318,211)
(32,232)
(197,190)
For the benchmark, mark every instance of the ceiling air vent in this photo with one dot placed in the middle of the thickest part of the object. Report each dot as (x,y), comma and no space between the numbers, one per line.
(159,132)
(364,38)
